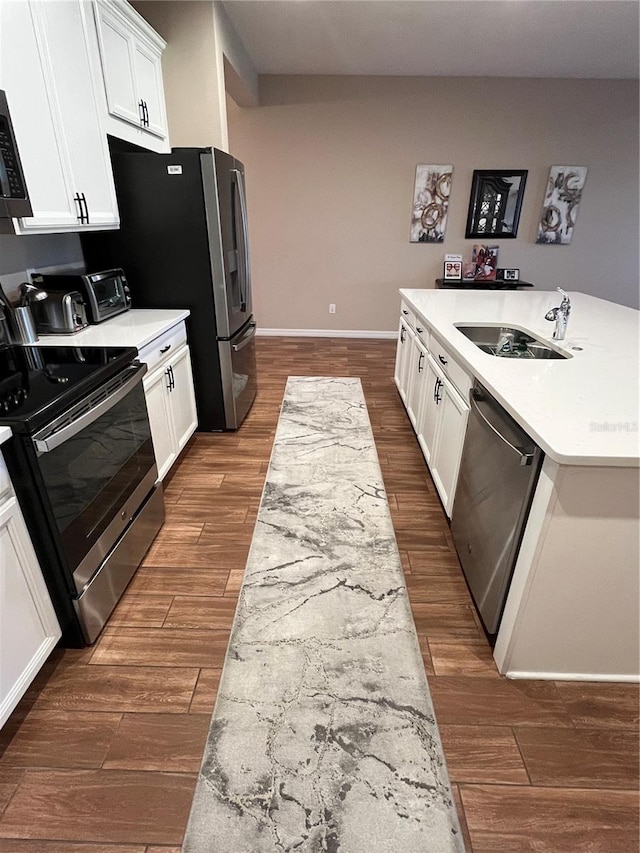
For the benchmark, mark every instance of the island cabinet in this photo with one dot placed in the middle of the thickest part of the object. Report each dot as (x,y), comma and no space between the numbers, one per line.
(433,388)
(130,54)
(170,397)
(29,629)
(48,69)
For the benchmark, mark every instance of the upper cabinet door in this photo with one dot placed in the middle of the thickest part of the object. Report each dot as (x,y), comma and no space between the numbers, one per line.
(130,52)
(77,93)
(149,79)
(117,54)
(36,123)
(46,68)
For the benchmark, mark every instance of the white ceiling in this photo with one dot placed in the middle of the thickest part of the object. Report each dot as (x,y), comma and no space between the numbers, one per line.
(460,38)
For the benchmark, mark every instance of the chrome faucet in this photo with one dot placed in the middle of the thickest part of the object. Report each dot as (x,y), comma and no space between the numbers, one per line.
(560,315)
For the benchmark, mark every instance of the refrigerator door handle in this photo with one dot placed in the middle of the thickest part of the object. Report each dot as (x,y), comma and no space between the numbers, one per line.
(246,269)
(246,338)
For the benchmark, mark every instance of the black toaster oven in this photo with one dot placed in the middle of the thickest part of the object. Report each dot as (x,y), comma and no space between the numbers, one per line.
(106,293)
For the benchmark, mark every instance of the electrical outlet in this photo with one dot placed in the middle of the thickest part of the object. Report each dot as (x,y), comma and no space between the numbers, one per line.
(332,308)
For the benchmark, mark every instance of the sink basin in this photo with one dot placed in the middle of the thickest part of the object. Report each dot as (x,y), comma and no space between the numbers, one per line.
(505,342)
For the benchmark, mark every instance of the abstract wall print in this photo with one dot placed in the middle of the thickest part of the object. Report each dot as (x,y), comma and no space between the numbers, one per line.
(430,203)
(560,205)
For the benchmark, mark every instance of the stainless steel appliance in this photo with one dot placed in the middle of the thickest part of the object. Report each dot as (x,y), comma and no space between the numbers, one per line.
(63,312)
(183,241)
(498,474)
(106,293)
(83,467)
(14,198)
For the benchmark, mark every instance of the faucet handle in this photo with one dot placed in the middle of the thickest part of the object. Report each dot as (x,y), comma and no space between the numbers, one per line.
(565,295)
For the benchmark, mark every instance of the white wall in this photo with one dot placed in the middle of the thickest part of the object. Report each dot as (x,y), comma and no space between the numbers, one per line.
(331,163)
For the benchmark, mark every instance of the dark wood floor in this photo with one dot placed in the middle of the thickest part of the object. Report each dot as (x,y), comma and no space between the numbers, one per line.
(101,755)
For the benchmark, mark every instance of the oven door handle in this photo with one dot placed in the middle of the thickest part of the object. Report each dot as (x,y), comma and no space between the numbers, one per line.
(45,441)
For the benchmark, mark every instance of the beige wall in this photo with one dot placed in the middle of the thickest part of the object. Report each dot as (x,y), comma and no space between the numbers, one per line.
(331,163)
(192,71)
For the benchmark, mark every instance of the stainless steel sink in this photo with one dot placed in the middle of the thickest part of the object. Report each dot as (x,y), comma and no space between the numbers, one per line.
(506,342)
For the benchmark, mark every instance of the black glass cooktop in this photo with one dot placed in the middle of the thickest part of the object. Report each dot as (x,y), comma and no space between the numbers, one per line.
(39,383)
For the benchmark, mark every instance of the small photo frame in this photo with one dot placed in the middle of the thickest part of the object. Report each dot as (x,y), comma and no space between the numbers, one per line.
(469,270)
(485,259)
(452,270)
(510,275)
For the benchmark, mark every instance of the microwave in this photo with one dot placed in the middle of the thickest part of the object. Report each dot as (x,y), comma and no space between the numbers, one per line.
(105,293)
(14,198)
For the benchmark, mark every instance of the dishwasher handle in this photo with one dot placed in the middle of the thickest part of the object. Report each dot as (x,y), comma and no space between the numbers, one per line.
(525,457)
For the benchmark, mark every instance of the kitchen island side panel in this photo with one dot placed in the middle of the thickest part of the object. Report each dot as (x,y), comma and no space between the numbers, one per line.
(573,608)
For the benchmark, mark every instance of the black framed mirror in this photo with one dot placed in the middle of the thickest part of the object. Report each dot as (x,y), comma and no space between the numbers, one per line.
(495,203)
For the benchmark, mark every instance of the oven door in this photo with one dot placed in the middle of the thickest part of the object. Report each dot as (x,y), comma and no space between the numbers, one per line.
(98,467)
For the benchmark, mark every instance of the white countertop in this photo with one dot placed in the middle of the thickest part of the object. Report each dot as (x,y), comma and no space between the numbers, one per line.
(5,433)
(134,328)
(582,410)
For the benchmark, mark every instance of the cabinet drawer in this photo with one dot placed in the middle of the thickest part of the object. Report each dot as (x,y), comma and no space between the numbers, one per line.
(450,367)
(423,332)
(408,315)
(163,347)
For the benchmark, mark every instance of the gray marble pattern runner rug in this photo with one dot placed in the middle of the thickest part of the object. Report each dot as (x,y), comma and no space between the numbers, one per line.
(323,736)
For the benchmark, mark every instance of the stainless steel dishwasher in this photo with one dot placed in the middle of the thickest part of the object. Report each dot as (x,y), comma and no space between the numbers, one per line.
(498,474)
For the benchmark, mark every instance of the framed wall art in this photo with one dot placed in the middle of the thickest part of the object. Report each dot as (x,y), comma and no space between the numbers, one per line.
(560,205)
(430,203)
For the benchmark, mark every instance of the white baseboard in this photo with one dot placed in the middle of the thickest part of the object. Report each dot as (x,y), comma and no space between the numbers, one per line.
(574,676)
(325,333)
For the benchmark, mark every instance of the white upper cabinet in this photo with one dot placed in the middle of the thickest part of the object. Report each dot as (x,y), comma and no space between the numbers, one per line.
(47,67)
(130,52)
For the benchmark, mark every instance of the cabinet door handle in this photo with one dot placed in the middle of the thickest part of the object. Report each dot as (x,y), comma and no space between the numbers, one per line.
(443,360)
(145,113)
(141,111)
(402,334)
(419,330)
(167,373)
(420,360)
(83,201)
(405,312)
(171,378)
(80,216)
(165,349)
(435,390)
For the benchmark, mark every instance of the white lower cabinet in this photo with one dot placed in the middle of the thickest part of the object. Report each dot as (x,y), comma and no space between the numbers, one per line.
(415,379)
(172,406)
(437,410)
(403,355)
(29,629)
(450,429)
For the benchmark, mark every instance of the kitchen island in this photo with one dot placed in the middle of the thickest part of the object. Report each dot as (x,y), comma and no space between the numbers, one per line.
(572,609)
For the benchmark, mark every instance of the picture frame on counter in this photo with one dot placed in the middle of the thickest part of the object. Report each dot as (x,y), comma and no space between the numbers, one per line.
(452,267)
(508,274)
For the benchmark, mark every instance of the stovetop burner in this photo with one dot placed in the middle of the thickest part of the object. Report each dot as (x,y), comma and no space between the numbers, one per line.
(39,383)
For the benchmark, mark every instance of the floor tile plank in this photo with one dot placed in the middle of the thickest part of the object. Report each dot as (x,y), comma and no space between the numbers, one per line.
(483,754)
(99,806)
(580,758)
(158,742)
(520,819)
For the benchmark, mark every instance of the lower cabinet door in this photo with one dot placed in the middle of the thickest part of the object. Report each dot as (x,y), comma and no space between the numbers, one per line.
(445,460)
(415,380)
(29,629)
(430,411)
(156,390)
(182,398)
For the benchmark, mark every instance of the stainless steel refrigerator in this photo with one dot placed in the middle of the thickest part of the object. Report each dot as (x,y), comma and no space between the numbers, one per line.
(183,243)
